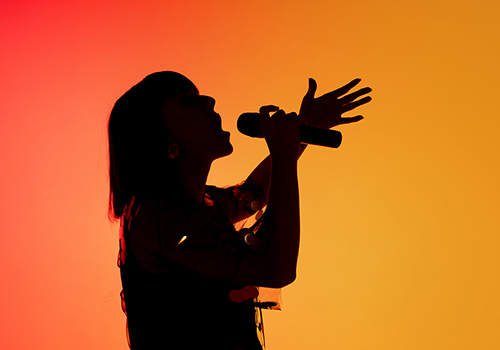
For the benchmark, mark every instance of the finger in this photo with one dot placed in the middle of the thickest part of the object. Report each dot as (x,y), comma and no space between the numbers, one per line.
(265,110)
(293,117)
(280,114)
(299,118)
(352,105)
(354,95)
(344,89)
(349,120)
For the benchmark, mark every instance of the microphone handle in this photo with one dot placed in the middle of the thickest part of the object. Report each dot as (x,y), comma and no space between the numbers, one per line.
(319,136)
(248,124)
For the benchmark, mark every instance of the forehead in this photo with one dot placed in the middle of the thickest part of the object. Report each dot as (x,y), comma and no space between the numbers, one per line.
(189,90)
(183,107)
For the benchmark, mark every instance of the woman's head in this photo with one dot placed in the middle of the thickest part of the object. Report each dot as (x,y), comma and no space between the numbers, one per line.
(138,138)
(165,108)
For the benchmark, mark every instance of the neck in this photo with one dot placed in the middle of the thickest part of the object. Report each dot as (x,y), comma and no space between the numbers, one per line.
(193,175)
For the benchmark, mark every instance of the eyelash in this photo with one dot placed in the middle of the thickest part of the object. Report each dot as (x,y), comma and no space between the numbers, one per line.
(188,100)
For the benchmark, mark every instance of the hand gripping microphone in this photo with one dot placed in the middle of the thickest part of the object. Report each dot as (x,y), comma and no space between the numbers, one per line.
(249,124)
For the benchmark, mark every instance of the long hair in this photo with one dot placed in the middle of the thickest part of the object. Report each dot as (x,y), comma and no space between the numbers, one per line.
(138,162)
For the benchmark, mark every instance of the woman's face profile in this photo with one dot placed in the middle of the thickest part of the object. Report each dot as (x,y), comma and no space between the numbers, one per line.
(193,124)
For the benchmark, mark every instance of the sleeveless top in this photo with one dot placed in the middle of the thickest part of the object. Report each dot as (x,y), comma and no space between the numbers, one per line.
(180,308)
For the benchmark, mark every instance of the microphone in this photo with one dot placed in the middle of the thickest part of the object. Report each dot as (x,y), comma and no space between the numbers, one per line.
(249,124)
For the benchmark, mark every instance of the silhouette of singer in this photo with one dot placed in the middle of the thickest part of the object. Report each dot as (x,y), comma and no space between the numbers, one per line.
(190,278)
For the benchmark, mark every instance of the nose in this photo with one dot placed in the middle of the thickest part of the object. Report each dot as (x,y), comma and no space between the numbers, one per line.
(210,102)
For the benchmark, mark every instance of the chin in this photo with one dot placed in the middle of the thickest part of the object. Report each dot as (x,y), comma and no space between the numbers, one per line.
(227,151)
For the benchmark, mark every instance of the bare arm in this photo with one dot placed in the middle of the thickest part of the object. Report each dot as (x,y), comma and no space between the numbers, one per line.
(282,222)
(281,226)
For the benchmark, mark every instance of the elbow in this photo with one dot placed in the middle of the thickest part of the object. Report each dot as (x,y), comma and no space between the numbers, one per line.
(288,273)
(282,281)
(288,279)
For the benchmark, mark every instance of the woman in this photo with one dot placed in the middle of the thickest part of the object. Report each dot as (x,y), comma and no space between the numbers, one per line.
(188,276)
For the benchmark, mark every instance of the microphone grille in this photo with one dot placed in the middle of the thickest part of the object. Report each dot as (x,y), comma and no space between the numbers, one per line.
(249,124)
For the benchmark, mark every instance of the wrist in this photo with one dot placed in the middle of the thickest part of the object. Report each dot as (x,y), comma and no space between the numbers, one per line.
(286,160)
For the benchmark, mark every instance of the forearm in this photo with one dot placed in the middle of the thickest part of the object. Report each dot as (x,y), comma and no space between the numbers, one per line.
(285,223)
(276,265)
(262,173)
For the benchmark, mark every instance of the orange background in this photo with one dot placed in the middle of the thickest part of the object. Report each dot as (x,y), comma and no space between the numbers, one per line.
(400,245)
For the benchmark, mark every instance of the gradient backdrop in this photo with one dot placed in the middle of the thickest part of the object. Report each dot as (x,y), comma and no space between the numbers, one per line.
(400,245)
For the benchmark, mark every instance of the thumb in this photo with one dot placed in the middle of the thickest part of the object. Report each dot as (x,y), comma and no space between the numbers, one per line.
(312,89)
(309,96)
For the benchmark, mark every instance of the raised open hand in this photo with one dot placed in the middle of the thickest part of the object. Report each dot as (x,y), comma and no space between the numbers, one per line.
(326,111)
